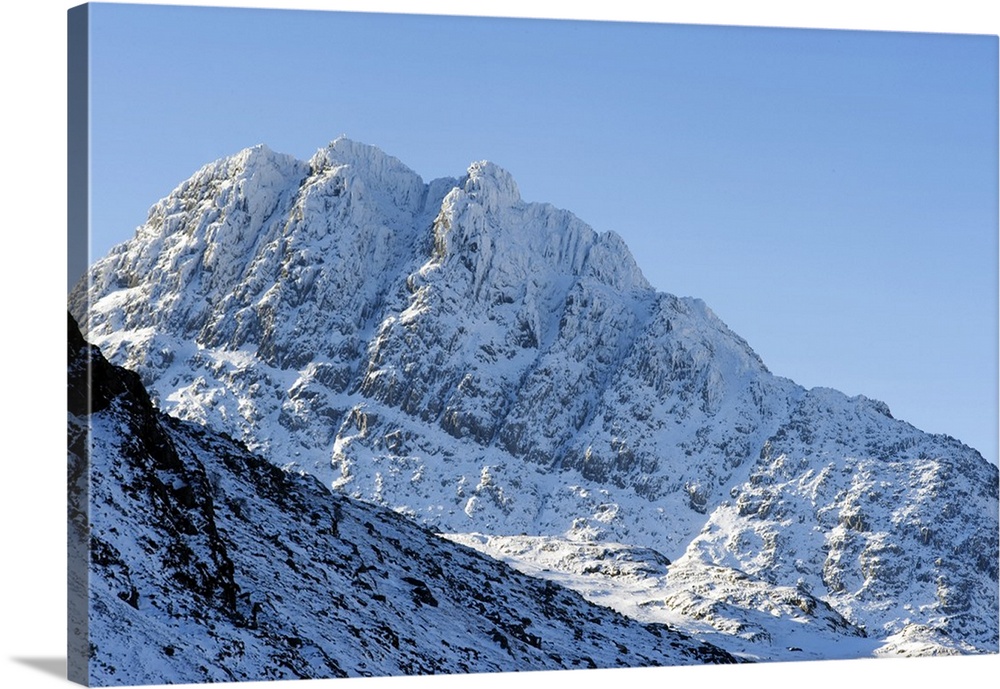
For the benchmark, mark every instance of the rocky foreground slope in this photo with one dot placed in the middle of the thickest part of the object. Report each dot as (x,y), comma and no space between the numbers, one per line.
(207,563)
(485,365)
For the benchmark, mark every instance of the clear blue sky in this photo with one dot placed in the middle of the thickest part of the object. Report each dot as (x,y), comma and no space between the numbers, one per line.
(832,195)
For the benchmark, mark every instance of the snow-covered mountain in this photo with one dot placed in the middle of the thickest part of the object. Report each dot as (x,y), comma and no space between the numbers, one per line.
(486,365)
(207,563)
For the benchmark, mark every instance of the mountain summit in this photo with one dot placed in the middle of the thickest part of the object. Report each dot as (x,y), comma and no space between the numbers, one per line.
(484,365)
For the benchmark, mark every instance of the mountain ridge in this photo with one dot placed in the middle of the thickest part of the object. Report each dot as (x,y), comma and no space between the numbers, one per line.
(485,364)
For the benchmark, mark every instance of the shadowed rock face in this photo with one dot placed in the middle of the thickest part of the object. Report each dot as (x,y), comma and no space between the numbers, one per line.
(483,364)
(207,563)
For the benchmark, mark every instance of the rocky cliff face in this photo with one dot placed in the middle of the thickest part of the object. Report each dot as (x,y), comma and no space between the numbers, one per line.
(207,563)
(483,364)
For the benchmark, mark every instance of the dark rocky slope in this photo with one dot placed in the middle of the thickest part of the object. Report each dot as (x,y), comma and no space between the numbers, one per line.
(205,562)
